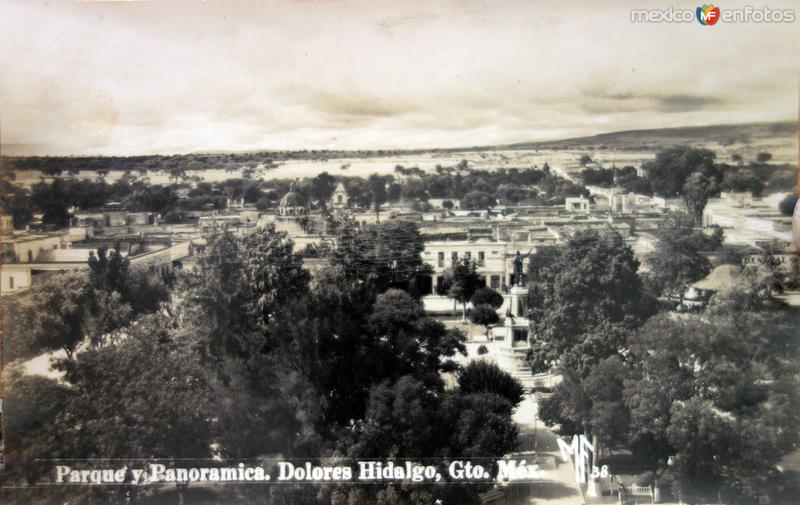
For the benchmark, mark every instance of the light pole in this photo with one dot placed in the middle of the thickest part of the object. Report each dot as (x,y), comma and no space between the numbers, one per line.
(659,472)
(670,463)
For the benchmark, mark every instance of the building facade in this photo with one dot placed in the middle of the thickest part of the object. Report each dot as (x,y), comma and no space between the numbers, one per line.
(339,199)
(494,259)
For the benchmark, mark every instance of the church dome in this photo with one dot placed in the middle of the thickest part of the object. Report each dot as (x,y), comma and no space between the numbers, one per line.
(291,199)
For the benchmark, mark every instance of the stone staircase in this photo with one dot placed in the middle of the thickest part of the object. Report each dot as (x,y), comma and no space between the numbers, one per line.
(513,362)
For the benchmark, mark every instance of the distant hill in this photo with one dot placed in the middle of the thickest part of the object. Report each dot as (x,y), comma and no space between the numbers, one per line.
(725,135)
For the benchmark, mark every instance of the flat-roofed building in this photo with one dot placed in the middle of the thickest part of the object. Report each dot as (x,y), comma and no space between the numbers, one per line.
(494,260)
(13,280)
(26,247)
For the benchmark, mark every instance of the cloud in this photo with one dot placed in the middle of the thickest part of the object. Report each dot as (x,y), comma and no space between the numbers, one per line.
(134,77)
(353,107)
(684,103)
(601,102)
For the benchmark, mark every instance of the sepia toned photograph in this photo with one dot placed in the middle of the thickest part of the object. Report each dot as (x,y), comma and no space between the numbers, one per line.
(352,252)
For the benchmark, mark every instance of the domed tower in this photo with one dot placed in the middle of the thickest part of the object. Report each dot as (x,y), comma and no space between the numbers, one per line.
(292,204)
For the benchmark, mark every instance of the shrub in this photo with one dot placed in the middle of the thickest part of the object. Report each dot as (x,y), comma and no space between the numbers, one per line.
(483,377)
(487,296)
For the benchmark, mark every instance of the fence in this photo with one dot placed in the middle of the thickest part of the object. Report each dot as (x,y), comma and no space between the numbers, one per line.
(636,491)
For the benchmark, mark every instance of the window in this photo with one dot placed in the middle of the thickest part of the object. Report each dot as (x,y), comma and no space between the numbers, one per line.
(468,255)
(11,282)
(494,282)
(454,257)
(481,258)
(440,259)
(30,256)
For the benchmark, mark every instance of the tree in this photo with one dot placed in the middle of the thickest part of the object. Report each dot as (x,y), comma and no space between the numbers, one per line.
(485,315)
(482,425)
(53,201)
(119,293)
(246,308)
(487,296)
(109,315)
(678,260)
(598,177)
(148,396)
(513,193)
(109,271)
(475,200)
(584,160)
(16,203)
(59,312)
(486,377)
(177,173)
(238,285)
(384,255)
(414,189)
(696,191)
(741,181)
(447,204)
(590,301)
(714,392)
(465,281)
(769,260)
(348,337)
(145,292)
(405,419)
(377,189)
(322,187)
(763,157)
(260,360)
(30,435)
(672,167)
(160,199)
(399,422)
(358,192)
(152,377)
(407,341)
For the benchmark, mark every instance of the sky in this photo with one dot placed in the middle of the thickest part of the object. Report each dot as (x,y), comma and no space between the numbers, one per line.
(124,78)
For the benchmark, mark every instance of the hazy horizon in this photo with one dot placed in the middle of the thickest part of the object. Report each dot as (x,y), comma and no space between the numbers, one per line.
(406,148)
(129,78)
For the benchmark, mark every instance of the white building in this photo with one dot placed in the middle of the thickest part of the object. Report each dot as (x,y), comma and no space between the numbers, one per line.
(495,260)
(340,198)
(13,279)
(26,247)
(577,204)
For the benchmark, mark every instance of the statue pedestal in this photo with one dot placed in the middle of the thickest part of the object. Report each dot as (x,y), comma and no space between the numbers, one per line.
(519,297)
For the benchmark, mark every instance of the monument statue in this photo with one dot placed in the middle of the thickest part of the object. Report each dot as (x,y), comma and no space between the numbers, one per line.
(518,269)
